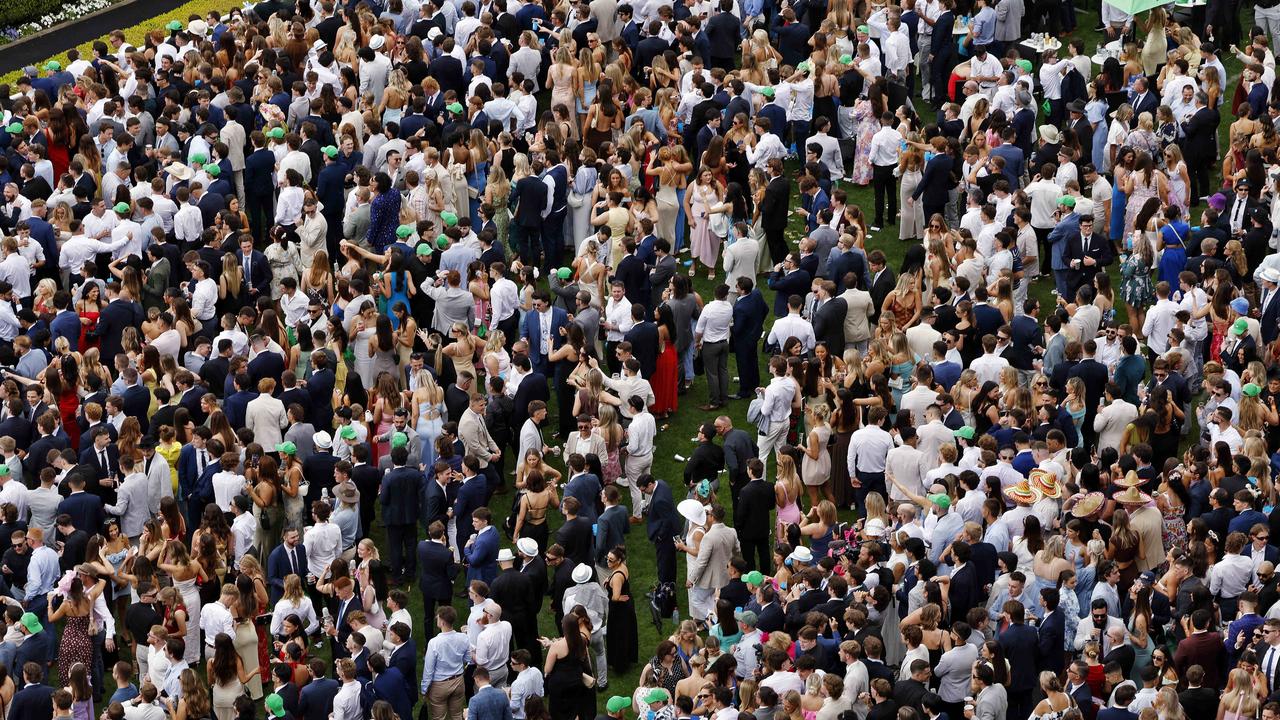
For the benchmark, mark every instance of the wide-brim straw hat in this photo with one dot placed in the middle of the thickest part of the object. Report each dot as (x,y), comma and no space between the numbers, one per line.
(1130,480)
(1088,505)
(1045,484)
(1132,496)
(1021,493)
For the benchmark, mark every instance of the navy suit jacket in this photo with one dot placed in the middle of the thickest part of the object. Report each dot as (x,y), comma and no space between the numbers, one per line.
(258,166)
(796,282)
(405,659)
(489,703)
(279,568)
(260,272)
(748,321)
(935,184)
(315,699)
(137,399)
(115,317)
(482,555)
(400,496)
(1052,631)
(66,324)
(390,686)
(1270,553)
(266,365)
(531,331)
(436,571)
(585,487)
(1021,646)
(320,388)
(234,406)
(86,510)
(34,702)
(473,494)
(664,522)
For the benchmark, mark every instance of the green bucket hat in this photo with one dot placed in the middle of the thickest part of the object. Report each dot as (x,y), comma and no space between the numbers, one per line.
(287,448)
(1251,390)
(846,59)
(275,705)
(330,150)
(199,158)
(618,703)
(564,273)
(454,107)
(14,127)
(965,432)
(53,66)
(448,218)
(213,170)
(31,623)
(347,432)
(121,207)
(174,25)
(404,231)
(275,133)
(399,439)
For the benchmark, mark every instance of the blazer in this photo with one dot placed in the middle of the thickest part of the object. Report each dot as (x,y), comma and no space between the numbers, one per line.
(751,511)
(33,702)
(611,530)
(828,323)
(513,591)
(586,488)
(643,337)
(796,282)
(399,494)
(881,286)
(258,167)
(532,387)
(474,493)
(265,416)
(711,567)
(315,699)
(482,555)
(266,365)
(531,330)
(279,568)
(936,182)
(576,538)
(1052,632)
(773,209)
(529,199)
(489,703)
(260,272)
(405,659)
(114,318)
(663,521)
(436,571)
(320,389)
(390,686)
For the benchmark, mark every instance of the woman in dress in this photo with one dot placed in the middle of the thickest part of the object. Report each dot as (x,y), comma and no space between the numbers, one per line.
(623,639)
(427,406)
(1141,185)
(1179,179)
(1076,407)
(394,284)
(704,199)
(819,525)
(1139,628)
(666,376)
(1056,703)
(537,498)
(911,221)
(866,116)
(1136,263)
(227,677)
(584,180)
(76,643)
(1240,701)
(262,486)
(663,167)
(89,307)
(786,495)
(82,693)
(903,303)
(815,467)
(283,258)
(186,573)
(1125,547)
(568,660)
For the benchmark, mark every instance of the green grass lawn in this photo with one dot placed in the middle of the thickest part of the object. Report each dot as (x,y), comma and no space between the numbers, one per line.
(677,439)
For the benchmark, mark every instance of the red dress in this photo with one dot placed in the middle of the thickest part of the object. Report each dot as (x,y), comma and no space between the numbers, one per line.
(87,342)
(59,154)
(666,377)
(68,404)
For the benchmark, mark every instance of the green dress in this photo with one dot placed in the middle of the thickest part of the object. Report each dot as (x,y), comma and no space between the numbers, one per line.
(1135,281)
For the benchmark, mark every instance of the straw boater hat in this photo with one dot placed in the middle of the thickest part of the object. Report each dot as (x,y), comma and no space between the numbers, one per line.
(1130,480)
(1132,496)
(1021,493)
(1045,484)
(1088,505)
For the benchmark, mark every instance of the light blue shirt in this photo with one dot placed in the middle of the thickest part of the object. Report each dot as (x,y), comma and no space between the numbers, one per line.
(946,530)
(42,572)
(984,27)
(447,654)
(348,521)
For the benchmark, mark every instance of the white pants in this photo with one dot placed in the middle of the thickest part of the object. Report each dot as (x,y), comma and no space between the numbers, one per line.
(771,441)
(702,603)
(1269,20)
(635,467)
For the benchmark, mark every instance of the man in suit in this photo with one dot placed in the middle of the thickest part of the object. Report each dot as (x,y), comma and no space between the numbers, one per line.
(613,525)
(488,702)
(533,386)
(1143,99)
(882,281)
(751,517)
(339,630)
(966,591)
(744,336)
(120,312)
(288,558)
(104,459)
(256,269)
(583,486)
(399,494)
(1085,254)
(35,699)
(544,330)
(710,569)
(436,573)
(575,534)
(787,279)
(828,318)
(513,591)
(553,225)
(319,388)
(724,32)
(534,567)
(992,700)
(1199,146)
(1051,632)
(1204,648)
(528,200)
(480,554)
(391,686)
(471,498)
(315,699)
(936,182)
(1094,375)
(267,363)
(664,268)
(643,337)
(774,212)
(663,524)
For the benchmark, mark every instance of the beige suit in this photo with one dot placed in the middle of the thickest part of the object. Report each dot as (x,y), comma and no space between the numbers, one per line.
(606,14)
(857,321)
(475,437)
(711,567)
(1111,421)
(265,416)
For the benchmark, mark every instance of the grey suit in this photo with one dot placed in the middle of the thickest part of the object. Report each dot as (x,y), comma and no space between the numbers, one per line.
(355,226)
(711,568)
(991,704)
(453,304)
(132,504)
(663,270)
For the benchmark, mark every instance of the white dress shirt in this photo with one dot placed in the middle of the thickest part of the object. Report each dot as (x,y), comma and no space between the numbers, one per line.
(868,448)
(886,146)
(713,323)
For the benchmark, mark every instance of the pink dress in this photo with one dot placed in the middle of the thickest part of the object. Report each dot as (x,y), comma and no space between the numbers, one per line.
(788,514)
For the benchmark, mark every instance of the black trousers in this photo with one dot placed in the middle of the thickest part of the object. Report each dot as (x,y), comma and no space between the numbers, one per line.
(665,552)
(884,182)
(260,212)
(756,552)
(403,540)
(777,242)
(748,367)
(510,329)
(1200,186)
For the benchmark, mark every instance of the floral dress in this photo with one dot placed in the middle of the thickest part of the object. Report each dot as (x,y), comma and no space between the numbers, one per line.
(867,124)
(1135,281)
(1173,529)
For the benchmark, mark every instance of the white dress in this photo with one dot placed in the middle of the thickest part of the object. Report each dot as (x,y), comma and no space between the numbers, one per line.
(191,600)
(364,363)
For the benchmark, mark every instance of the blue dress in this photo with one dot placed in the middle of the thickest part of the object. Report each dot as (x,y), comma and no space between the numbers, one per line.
(477,181)
(1118,202)
(399,294)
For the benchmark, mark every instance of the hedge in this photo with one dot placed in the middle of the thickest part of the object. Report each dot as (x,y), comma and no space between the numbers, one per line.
(17,12)
(133,35)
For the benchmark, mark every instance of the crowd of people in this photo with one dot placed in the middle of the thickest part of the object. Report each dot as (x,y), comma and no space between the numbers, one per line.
(290,294)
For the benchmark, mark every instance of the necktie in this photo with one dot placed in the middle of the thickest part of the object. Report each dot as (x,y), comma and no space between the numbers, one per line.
(247,265)
(293,560)
(102,458)
(201,461)
(1269,668)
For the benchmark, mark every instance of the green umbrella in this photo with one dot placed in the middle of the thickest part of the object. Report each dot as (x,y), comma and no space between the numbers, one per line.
(1133,7)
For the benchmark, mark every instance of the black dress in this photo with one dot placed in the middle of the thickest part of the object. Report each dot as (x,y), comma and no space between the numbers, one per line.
(568,698)
(623,639)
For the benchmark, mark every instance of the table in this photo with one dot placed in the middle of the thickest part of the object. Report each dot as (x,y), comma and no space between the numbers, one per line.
(1043,45)
(1113,50)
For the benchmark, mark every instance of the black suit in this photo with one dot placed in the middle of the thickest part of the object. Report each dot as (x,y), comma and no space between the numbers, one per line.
(514,592)
(644,346)
(1199,145)
(935,184)
(436,573)
(1078,248)
(881,286)
(19,428)
(1095,376)
(752,521)
(773,214)
(723,33)
(828,323)
(115,317)
(532,387)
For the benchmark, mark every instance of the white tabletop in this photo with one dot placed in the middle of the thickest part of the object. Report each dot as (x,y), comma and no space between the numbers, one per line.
(1043,45)
(1114,49)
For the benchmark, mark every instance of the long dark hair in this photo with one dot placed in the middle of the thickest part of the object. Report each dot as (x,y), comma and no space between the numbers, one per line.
(223,667)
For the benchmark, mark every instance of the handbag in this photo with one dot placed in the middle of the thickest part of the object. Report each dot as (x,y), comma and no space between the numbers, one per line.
(576,200)
(720,225)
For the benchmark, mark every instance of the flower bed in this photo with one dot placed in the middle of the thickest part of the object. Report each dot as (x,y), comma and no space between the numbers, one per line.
(27,17)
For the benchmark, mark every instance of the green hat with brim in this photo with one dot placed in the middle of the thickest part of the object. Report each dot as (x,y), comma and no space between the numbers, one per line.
(121,207)
(846,59)
(564,273)
(864,29)
(4,470)
(755,577)
(275,705)
(53,66)
(330,150)
(618,703)
(174,25)
(804,66)
(287,448)
(657,695)
(15,127)
(442,241)
(422,250)
(199,158)
(1251,390)
(1024,63)
(399,440)
(455,108)
(448,218)
(940,500)
(347,432)
(31,623)
(1240,326)
(404,231)
(965,432)
(213,171)
(275,133)
(767,92)
(1067,200)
